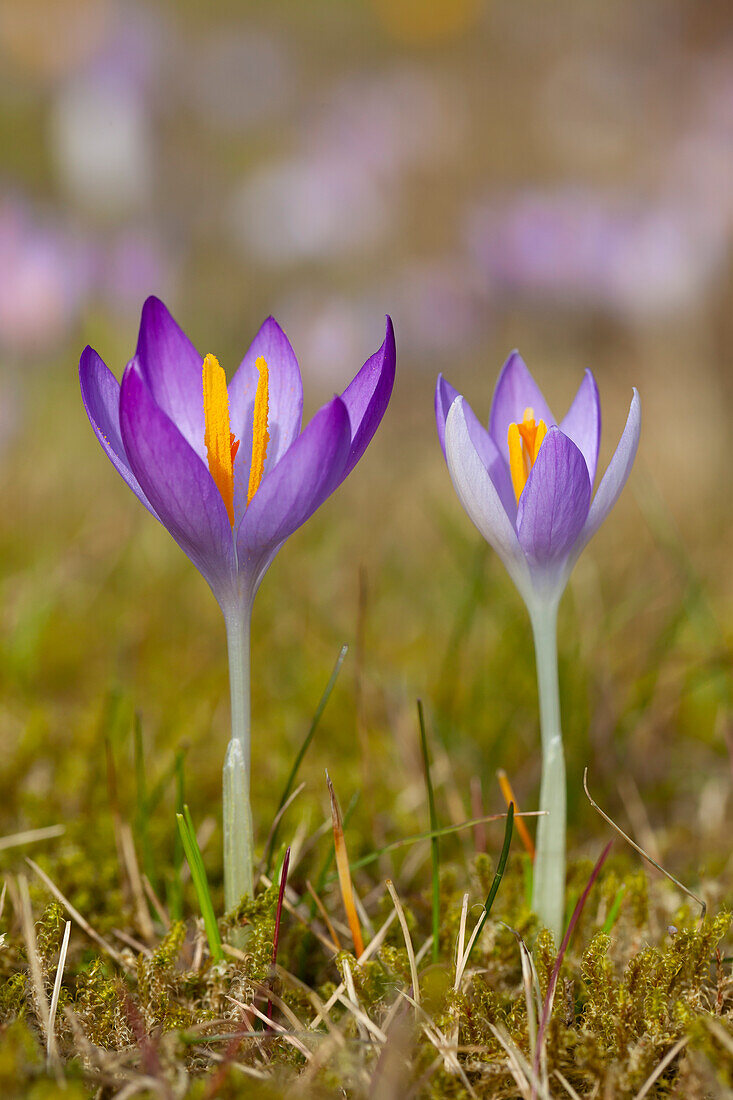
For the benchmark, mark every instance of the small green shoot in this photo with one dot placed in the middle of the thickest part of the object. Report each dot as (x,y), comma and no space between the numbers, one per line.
(500,868)
(434,850)
(200,882)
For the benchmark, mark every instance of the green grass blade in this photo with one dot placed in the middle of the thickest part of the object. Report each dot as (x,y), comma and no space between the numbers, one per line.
(304,748)
(434,842)
(500,868)
(175,890)
(142,810)
(615,909)
(200,882)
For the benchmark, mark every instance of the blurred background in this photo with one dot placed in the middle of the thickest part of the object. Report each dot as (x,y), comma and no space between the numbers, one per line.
(493,174)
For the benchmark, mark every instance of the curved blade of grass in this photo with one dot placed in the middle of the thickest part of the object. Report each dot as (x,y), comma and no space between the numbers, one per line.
(200,882)
(434,843)
(445,830)
(344,874)
(547,1008)
(500,868)
(304,748)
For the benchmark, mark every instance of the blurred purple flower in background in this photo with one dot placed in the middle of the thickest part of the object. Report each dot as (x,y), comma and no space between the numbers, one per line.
(47,275)
(588,249)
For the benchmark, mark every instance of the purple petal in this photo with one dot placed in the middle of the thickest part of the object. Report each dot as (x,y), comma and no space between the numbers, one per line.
(177,483)
(367,396)
(486,449)
(285,395)
(479,495)
(172,368)
(582,422)
(445,395)
(100,392)
(554,504)
(616,474)
(291,492)
(516,390)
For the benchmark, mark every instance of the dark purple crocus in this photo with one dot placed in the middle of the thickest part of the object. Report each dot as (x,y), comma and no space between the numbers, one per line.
(527,484)
(153,430)
(230,474)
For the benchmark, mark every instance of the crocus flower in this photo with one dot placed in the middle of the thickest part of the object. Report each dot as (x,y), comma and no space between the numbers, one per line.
(229,473)
(227,470)
(527,481)
(527,484)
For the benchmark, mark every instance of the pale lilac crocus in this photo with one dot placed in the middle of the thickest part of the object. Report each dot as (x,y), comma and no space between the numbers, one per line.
(527,484)
(230,474)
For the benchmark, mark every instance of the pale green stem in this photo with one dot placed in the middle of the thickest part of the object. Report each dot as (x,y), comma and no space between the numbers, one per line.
(548,900)
(237,813)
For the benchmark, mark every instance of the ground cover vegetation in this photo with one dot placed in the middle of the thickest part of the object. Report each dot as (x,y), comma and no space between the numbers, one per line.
(115,707)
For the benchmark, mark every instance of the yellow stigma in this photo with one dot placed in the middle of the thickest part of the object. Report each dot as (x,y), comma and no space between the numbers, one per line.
(221,446)
(524,441)
(260,434)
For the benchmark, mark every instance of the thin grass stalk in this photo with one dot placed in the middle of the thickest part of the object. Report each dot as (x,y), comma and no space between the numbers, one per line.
(434,843)
(200,882)
(304,748)
(547,1008)
(278,917)
(344,874)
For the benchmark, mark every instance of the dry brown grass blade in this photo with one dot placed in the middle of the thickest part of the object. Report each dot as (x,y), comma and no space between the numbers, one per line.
(408,940)
(30,836)
(324,913)
(371,949)
(344,873)
(132,868)
(156,903)
(509,797)
(640,850)
(76,915)
(51,1048)
(23,907)
(659,1069)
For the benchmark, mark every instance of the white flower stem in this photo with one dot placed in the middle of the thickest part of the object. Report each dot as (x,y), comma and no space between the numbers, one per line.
(548,898)
(237,813)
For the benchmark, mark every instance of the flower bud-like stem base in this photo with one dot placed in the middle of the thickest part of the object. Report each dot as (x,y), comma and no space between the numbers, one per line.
(548,896)
(237,813)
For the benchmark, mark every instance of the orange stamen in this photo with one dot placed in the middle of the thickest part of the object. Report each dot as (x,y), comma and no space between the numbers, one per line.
(260,434)
(221,446)
(524,442)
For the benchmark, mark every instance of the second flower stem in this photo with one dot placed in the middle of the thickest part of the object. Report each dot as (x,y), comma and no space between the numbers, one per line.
(237,813)
(548,897)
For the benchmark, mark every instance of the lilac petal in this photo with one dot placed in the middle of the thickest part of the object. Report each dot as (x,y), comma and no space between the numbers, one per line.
(516,390)
(177,483)
(285,395)
(445,395)
(367,396)
(292,491)
(616,474)
(172,369)
(554,504)
(479,495)
(100,392)
(582,422)
(486,449)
